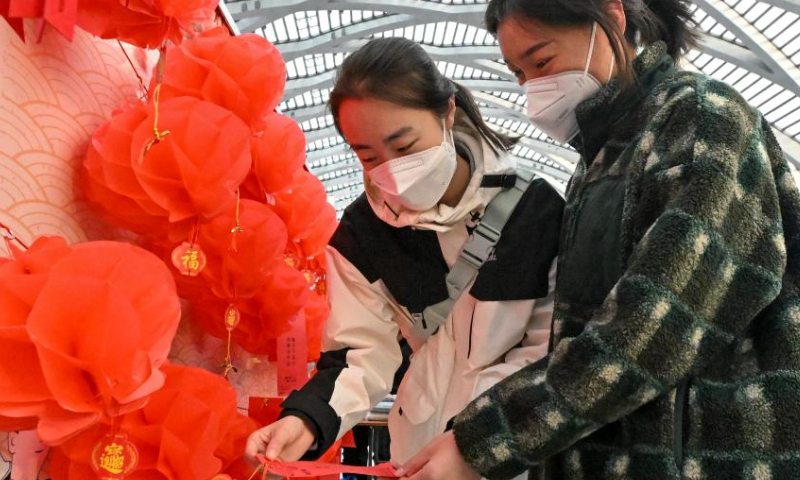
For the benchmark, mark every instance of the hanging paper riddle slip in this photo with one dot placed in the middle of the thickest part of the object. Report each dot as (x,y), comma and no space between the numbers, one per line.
(315,469)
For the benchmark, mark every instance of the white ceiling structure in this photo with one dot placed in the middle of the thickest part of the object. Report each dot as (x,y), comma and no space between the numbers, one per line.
(752,45)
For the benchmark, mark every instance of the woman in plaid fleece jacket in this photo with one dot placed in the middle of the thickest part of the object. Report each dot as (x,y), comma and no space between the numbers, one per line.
(676,340)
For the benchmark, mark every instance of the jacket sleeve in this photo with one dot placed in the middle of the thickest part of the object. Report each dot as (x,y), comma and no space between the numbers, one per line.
(361,354)
(531,348)
(709,263)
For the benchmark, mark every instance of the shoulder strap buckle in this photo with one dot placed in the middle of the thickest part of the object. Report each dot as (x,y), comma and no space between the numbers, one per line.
(480,245)
(475,253)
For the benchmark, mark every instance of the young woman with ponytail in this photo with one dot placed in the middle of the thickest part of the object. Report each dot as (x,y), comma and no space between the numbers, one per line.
(676,328)
(431,168)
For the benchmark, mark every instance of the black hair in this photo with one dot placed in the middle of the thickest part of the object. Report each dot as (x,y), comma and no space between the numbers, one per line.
(400,71)
(648,21)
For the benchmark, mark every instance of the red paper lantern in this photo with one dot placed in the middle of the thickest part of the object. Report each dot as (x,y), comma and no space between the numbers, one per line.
(60,14)
(102,325)
(251,190)
(108,179)
(263,318)
(242,254)
(189,430)
(15,23)
(145,23)
(244,74)
(309,218)
(195,169)
(279,152)
(23,390)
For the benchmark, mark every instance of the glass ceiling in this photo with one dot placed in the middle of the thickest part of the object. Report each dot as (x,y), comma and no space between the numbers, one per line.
(752,45)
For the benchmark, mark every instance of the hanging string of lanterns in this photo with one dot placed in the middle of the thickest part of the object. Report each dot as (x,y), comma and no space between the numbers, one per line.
(212,180)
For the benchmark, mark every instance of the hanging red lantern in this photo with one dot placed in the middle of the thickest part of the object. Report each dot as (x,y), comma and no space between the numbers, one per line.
(244,74)
(23,389)
(102,325)
(108,178)
(309,218)
(244,246)
(317,311)
(146,23)
(262,318)
(194,164)
(279,152)
(190,429)
(59,14)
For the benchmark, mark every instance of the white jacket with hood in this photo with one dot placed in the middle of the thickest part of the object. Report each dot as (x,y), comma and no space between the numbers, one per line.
(383,264)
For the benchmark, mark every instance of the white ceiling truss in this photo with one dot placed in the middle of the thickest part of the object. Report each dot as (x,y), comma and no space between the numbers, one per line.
(753,45)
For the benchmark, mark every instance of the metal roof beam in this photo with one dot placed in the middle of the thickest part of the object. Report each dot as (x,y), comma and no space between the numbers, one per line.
(349,163)
(298,86)
(252,14)
(344,39)
(342,180)
(788,5)
(358,188)
(783,71)
(332,151)
(744,58)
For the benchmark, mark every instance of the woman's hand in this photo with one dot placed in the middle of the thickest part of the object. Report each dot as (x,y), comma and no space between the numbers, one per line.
(286,440)
(440,460)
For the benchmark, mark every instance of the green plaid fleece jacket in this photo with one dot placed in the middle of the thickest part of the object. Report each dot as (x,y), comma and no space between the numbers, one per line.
(676,336)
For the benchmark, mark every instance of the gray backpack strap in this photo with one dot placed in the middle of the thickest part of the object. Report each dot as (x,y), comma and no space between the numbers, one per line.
(476,251)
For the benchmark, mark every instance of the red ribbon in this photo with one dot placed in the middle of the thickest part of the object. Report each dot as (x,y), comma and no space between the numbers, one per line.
(316,469)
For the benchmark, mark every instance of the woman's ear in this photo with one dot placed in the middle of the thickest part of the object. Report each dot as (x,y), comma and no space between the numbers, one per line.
(617,12)
(450,118)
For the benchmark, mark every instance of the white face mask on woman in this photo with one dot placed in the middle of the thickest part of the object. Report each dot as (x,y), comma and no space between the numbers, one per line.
(552,100)
(418,181)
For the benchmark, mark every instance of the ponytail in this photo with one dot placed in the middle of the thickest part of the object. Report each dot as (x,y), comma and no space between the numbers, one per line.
(669,21)
(466,102)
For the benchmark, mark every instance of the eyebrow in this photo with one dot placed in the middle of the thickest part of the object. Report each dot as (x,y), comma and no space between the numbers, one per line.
(394,136)
(530,51)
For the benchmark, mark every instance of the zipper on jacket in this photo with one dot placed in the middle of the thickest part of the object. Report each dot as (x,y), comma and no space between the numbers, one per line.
(677,430)
(471,323)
